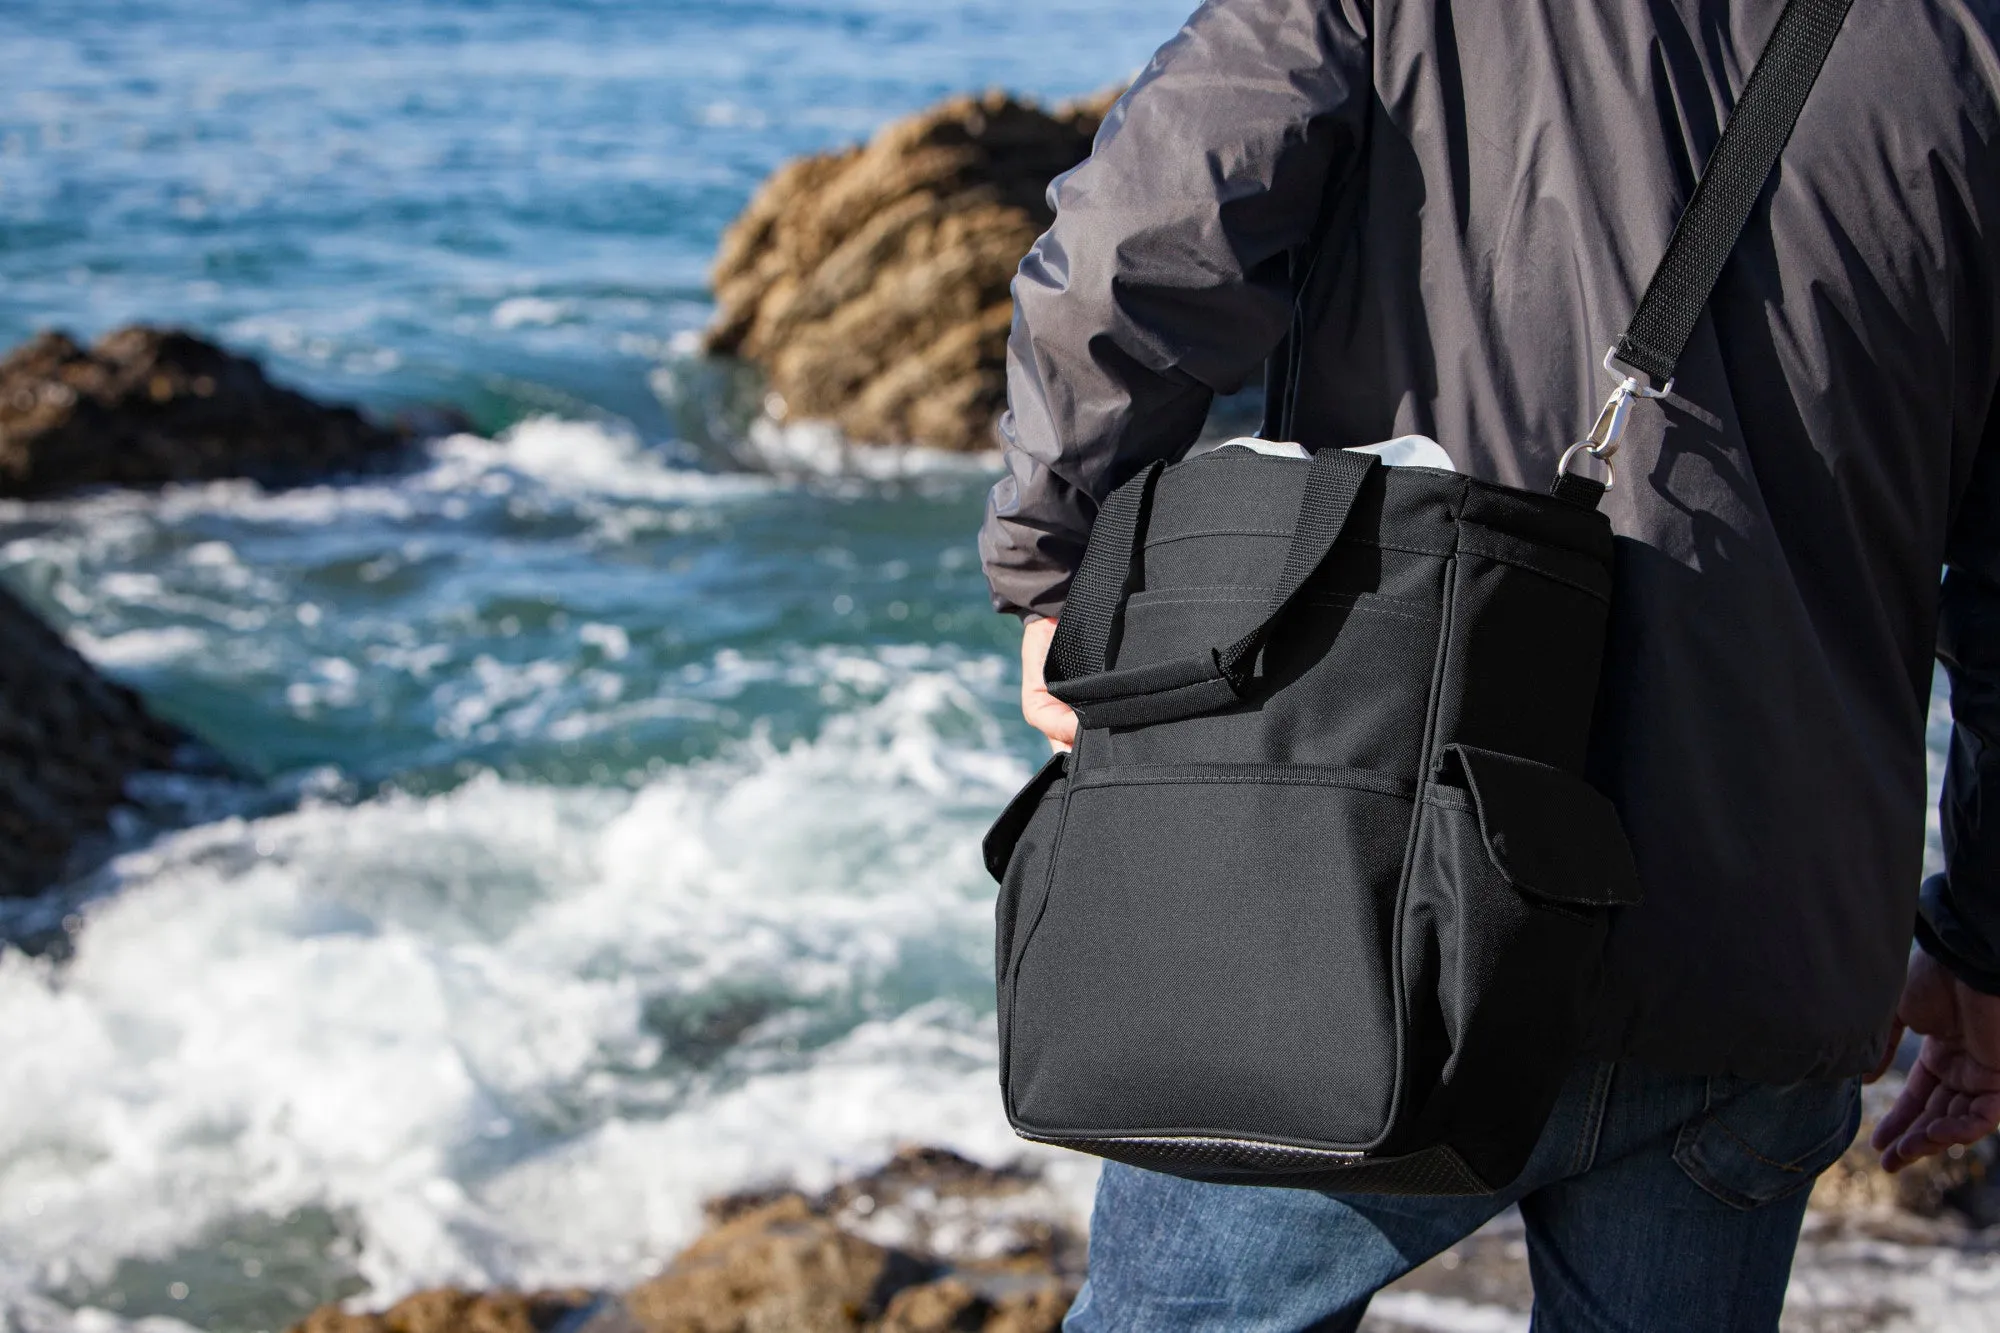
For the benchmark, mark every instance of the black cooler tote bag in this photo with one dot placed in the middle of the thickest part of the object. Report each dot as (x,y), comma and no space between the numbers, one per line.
(1319,896)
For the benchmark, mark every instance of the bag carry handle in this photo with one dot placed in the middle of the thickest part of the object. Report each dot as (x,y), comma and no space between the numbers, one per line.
(1709,227)
(1136,696)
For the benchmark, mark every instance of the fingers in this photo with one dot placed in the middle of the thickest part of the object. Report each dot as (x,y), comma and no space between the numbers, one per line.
(1045,713)
(1950,1099)
(1909,1105)
(1050,716)
(1966,1120)
(1918,1141)
(1956,1131)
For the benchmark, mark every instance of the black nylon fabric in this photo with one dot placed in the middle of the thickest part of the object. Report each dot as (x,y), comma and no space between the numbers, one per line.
(1305,920)
(1215,675)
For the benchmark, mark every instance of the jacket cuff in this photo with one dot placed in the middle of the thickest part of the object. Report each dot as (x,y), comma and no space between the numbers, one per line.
(1942,935)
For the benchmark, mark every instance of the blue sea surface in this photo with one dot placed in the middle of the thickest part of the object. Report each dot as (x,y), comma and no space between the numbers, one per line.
(613,841)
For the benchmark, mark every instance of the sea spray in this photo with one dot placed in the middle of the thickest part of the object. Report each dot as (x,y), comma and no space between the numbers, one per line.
(515,1033)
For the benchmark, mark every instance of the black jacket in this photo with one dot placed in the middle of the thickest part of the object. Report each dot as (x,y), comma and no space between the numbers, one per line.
(1479,192)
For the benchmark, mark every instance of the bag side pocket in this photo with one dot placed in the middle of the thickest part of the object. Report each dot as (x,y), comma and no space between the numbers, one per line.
(1018,850)
(998,846)
(1505,919)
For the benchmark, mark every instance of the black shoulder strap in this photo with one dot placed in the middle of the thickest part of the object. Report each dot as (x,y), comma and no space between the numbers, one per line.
(1735,175)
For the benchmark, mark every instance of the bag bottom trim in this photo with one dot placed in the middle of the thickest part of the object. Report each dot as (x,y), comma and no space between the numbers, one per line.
(1437,1170)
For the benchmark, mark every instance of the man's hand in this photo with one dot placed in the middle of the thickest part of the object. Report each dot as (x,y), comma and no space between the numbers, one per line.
(1953,1094)
(1045,713)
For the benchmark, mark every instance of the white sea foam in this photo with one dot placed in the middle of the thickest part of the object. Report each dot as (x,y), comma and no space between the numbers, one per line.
(588,462)
(580,458)
(522,311)
(452,1019)
(141,647)
(820,449)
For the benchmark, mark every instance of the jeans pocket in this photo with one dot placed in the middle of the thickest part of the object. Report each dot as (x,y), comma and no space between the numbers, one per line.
(1756,1143)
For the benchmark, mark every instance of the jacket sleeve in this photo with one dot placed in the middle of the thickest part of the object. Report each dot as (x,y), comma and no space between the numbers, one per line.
(1958,913)
(1163,280)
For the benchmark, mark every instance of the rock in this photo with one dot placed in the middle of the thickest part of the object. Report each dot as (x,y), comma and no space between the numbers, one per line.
(776,1267)
(974,1217)
(149,406)
(431,421)
(70,741)
(871,285)
(451,1311)
(929,1242)
(975,1249)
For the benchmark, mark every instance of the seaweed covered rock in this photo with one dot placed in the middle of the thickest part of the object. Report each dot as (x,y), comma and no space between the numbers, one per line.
(70,741)
(148,406)
(871,285)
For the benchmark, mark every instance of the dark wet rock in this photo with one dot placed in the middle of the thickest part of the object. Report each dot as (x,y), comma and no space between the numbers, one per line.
(430,421)
(871,285)
(71,743)
(148,406)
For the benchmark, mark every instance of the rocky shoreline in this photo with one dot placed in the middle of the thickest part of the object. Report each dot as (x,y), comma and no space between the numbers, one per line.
(143,407)
(932,1242)
(927,1243)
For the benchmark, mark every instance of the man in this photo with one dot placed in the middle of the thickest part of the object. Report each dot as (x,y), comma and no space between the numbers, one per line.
(1454,207)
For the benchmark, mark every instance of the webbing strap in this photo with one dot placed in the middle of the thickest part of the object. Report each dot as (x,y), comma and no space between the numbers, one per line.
(1082,644)
(1215,677)
(1577,489)
(1331,486)
(1729,186)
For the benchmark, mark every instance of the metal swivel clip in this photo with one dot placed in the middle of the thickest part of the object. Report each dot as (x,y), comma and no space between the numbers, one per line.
(1602,442)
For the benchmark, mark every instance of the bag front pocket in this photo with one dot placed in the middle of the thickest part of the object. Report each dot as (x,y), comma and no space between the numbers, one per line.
(1213,958)
(1510,889)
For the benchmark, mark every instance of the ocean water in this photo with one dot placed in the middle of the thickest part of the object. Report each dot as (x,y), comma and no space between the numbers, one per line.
(613,838)
(613,833)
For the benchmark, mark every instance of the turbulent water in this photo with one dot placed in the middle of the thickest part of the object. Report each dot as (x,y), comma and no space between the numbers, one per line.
(615,841)
(614,836)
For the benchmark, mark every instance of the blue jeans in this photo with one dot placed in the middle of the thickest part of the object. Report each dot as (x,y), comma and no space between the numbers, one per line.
(1652,1202)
